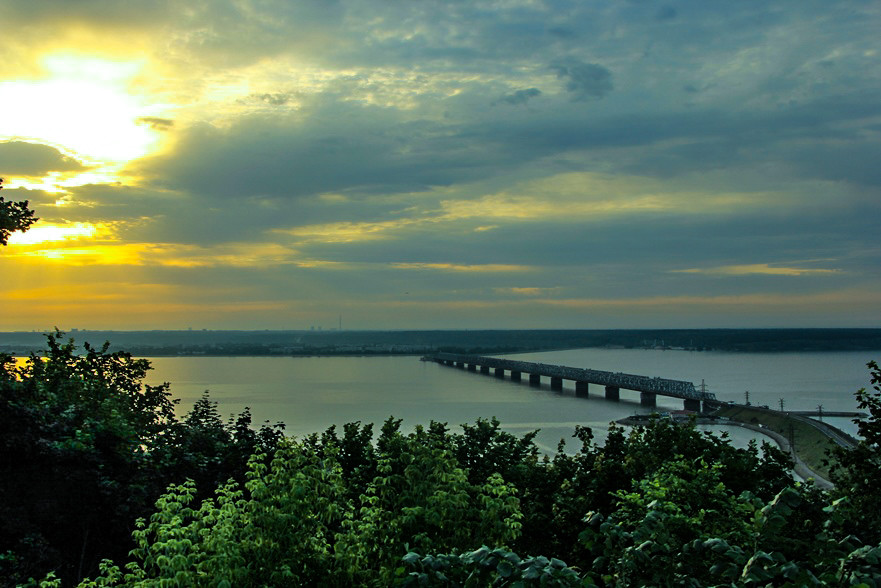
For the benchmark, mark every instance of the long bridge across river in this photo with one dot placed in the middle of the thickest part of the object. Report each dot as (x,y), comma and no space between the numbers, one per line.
(649,388)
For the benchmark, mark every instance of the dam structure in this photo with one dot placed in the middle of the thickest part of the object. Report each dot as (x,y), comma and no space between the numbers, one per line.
(649,388)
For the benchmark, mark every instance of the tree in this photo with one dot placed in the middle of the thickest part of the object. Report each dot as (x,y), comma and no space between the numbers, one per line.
(856,471)
(75,462)
(87,448)
(14,216)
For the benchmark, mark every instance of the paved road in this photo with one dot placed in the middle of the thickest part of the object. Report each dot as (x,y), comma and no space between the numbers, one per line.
(799,467)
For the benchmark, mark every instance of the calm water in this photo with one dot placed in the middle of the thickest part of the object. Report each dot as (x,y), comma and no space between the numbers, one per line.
(311,393)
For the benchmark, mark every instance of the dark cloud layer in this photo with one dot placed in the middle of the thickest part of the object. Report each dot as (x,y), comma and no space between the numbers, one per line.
(585,81)
(339,147)
(521,96)
(33,159)
(156,123)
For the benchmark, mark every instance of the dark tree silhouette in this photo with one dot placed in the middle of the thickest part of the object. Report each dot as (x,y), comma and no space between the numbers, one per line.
(14,216)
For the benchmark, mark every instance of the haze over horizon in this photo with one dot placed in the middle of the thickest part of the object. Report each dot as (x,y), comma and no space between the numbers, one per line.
(269,164)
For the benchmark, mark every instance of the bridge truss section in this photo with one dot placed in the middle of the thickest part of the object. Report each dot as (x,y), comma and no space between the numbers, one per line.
(662,386)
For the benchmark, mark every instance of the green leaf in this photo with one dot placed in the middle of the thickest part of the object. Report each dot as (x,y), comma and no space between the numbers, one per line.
(505,569)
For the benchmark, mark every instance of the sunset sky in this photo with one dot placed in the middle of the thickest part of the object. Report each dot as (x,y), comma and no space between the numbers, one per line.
(418,164)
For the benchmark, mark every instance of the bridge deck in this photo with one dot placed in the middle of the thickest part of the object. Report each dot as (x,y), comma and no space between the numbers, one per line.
(662,386)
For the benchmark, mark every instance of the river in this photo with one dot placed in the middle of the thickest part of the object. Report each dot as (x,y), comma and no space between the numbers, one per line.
(309,394)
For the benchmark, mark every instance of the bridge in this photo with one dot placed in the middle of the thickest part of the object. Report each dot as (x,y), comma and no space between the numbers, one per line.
(649,388)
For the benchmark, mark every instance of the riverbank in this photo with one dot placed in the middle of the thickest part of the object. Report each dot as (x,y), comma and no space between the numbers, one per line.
(806,440)
(809,439)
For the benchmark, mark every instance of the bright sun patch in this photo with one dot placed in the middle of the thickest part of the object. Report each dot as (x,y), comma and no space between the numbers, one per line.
(53,234)
(83,105)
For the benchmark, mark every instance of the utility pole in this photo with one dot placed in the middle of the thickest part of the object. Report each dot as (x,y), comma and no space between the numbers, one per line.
(820,411)
(781,405)
(747,397)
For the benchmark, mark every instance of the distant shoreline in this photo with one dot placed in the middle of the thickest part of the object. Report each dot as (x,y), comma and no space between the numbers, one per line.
(318,343)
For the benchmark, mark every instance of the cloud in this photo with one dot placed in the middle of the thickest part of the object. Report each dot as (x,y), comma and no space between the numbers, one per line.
(527,290)
(273,99)
(521,96)
(666,13)
(44,233)
(33,159)
(338,147)
(457,267)
(585,81)
(759,269)
(156,123)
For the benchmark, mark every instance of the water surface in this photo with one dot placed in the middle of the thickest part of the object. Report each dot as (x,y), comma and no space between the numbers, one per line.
(310,394)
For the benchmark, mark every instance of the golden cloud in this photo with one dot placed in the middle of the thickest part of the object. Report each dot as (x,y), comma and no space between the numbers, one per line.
(526,291)
(457,267)
(581,197)
(757,269)
(72,246)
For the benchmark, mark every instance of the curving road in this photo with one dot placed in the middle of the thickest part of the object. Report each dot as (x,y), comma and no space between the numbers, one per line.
(799,466)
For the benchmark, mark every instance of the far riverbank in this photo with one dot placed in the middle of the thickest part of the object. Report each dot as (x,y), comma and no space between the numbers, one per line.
(338,342)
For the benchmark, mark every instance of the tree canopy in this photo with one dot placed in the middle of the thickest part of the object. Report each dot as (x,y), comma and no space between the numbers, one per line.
(14,216)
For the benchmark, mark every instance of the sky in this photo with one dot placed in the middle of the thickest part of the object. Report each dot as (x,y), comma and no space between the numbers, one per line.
(422,164)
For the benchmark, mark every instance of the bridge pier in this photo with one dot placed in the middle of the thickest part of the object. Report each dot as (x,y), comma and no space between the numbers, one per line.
(581,389)
(484,369)
(613,393)
(515,376)
(500,372)
(711,404)
(534,380)
(692,404)
(648,399)
(556,383)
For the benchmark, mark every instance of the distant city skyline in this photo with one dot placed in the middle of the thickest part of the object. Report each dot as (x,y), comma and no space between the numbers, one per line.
(363,164)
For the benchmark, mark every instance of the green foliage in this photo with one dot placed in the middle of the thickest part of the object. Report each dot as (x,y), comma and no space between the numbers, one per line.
(14,216)
(295,525)
(282,535)
(487,567)
(857,473)
(557,494)
(422,499)
(640,543)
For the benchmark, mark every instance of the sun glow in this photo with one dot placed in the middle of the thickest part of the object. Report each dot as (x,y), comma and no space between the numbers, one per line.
(83,106)
(52,233)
